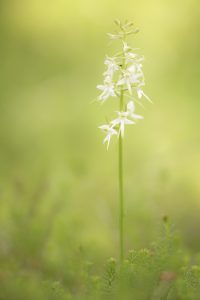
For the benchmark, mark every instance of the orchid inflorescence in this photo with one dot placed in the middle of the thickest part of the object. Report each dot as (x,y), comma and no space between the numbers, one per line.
(123,78)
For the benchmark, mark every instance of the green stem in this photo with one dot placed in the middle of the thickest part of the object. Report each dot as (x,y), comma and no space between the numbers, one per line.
(121,184)
(121,190)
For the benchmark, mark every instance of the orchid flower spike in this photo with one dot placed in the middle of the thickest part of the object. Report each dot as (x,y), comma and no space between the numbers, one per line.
(124,72)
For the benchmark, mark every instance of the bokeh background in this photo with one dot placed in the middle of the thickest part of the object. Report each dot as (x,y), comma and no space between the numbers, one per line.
(58,184)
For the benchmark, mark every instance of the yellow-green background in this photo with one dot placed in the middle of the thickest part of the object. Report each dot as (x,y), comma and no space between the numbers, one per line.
(58,184)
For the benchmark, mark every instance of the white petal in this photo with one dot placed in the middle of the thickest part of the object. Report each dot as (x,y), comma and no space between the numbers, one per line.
(131,106)
(147,97)
(100,87)
(134,116)
(129,87)
(125,46)
(113,131)
(139,93)
(113,36)
(132,69)
(108,79)
(104,127)
(115,122)
(121,81)
(123,114)
(127,121)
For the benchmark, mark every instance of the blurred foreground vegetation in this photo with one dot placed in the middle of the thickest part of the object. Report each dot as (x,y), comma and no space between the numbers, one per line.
(58,185)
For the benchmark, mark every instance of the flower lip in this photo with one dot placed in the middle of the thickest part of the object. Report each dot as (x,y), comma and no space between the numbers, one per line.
(108,90)
(122,120)
(110,132)
(131,110)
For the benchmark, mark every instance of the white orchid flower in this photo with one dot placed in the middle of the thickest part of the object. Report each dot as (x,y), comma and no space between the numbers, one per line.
(131,110)
(129,56)
(130,76)
(108,89)
(122,120)
(140,92)
(126,47)
(110,132)
(112,66)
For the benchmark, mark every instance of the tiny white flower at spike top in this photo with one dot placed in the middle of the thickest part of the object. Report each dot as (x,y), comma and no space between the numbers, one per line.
(126,47)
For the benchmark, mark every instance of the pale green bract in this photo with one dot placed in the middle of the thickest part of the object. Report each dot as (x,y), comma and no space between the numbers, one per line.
(123,75)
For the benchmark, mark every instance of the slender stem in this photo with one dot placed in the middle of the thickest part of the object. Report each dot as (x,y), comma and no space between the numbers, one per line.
(121,189)
(121,183)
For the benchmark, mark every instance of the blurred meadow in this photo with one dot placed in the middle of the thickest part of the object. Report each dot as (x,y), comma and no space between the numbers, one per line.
(58,184)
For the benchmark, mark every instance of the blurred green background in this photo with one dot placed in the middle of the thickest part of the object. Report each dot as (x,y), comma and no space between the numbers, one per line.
(58,184)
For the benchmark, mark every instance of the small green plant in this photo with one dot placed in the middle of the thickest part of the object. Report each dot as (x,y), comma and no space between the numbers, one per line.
(123,79)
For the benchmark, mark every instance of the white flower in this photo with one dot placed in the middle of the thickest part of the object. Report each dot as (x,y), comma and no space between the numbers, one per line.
(130,76)
(126,47)
(108,89)
(114,36)
(131,110)
(112,66)
(139,68)
(129,56)
(140,92)
(110,132)
(122,120)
